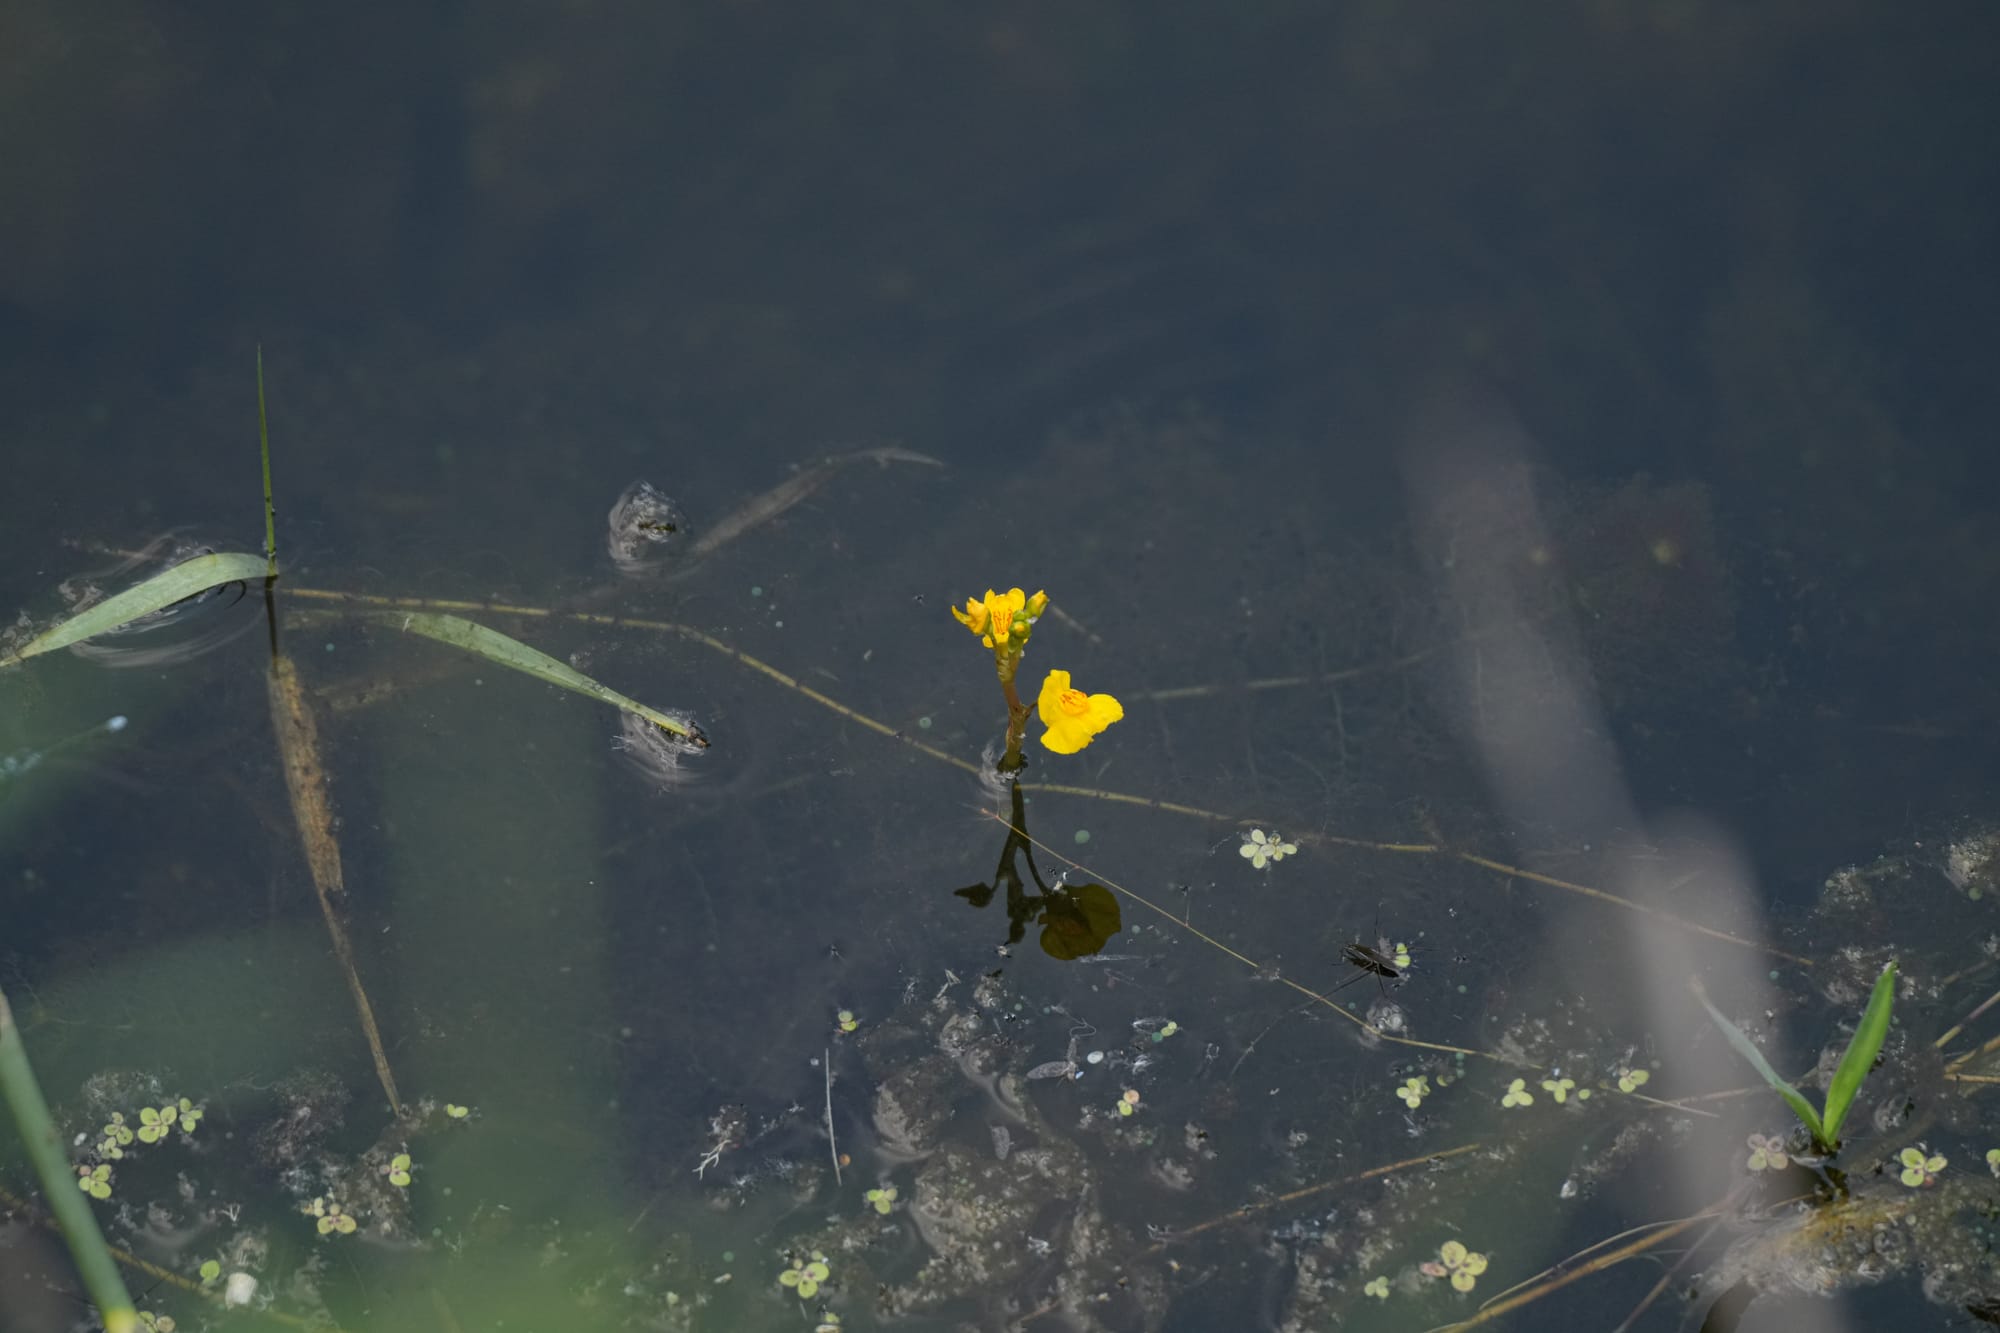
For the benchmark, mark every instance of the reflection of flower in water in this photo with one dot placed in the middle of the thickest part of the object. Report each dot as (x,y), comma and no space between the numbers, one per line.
(656,752)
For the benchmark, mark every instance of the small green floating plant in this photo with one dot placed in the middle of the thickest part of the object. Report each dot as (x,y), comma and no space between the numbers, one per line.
(1824,1125)
(1920,1167)
(333,1218)
(806,1277)
(94,1180)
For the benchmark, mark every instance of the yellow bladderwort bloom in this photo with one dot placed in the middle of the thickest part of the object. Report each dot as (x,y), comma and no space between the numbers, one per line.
(1001,616)
(1004,613)
(1072,717)
(974,617)
(1003,621)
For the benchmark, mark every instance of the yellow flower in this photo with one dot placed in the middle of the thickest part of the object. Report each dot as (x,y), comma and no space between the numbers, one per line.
(1072,717)
(974,616)
(1000,615)
(1002,611)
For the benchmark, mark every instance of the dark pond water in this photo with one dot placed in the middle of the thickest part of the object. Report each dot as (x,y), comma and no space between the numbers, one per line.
(1531,465)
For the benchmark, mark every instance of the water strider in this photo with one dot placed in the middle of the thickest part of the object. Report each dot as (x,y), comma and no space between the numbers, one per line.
(1381,960)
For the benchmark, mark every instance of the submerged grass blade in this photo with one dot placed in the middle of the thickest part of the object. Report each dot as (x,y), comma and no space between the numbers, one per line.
(69,1204)
(156,593)
(1861,1051)
(1748,1050)
(264,448)
(511,653)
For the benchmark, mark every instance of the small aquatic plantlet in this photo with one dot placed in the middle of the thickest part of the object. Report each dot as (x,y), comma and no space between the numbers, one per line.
(117,1137)
(1461,1265)
(1767,1153)
(1003,621)
(332,1217)
(1261,849)
(882,1200)
(156,1123)
(1919,1167)
(1855,1062)
(94,1180)
(806,1277)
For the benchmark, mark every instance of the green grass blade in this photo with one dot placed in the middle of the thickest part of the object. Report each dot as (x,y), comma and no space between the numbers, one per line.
(264,447)
(156,593)
(1861,1051)
(1748,1050)
(48,1152)
(511,653)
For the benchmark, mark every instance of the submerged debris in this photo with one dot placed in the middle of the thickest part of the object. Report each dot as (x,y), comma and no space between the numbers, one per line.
(657,753)
(642,527)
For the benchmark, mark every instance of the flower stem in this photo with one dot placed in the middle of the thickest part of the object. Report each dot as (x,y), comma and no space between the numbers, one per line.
(1013,761)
